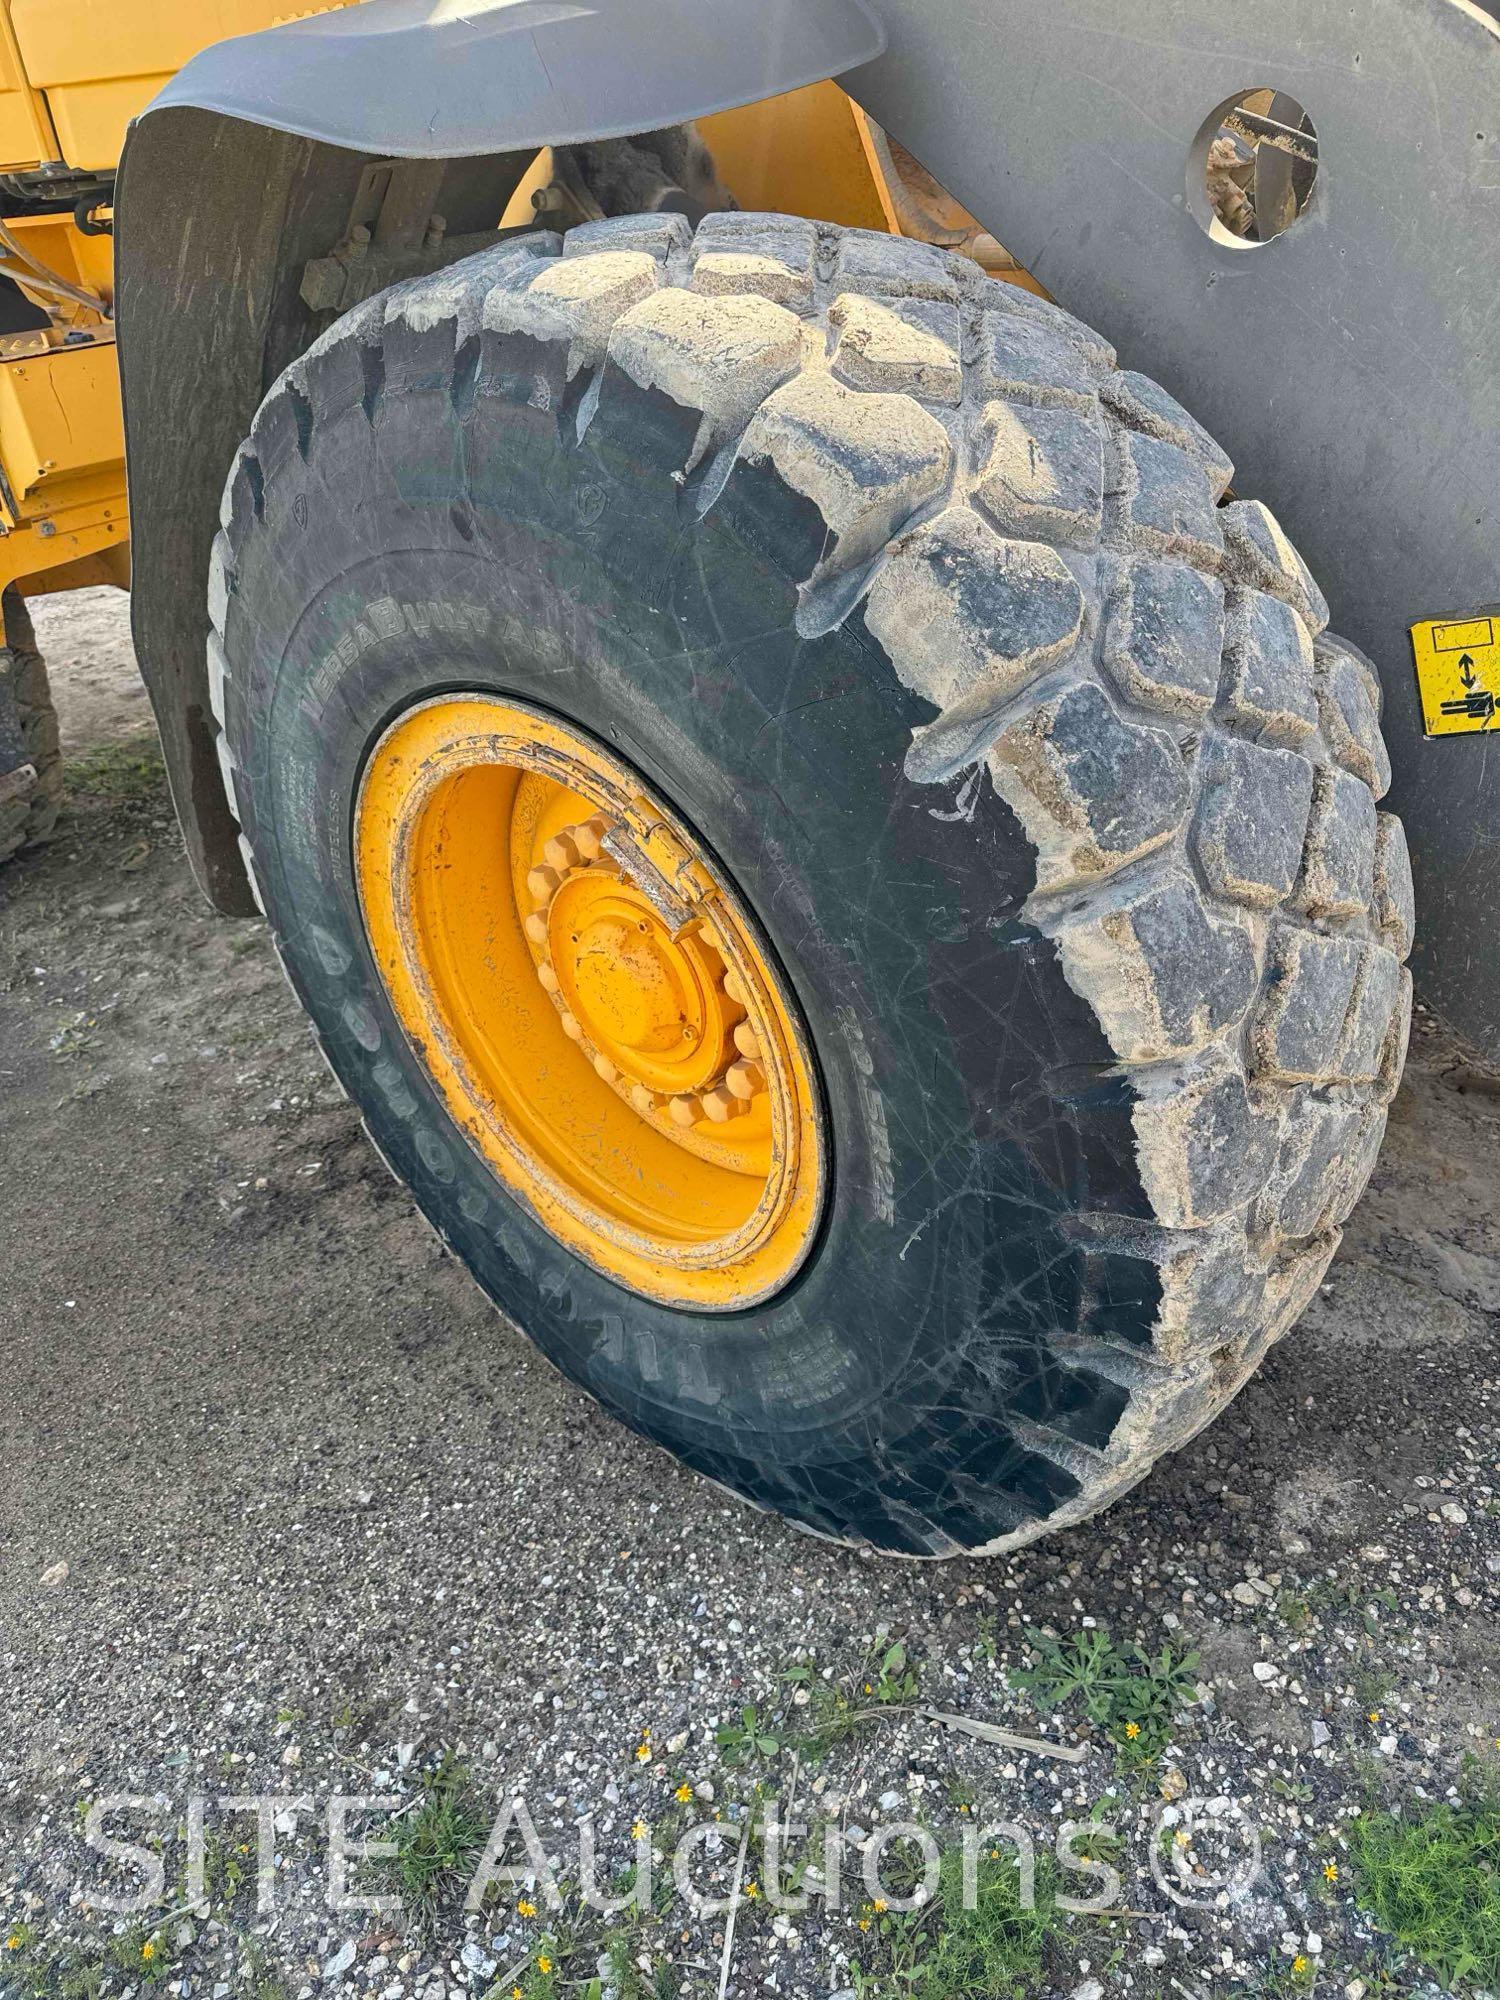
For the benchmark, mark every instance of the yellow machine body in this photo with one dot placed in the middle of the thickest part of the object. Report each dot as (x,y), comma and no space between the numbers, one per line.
(73,73)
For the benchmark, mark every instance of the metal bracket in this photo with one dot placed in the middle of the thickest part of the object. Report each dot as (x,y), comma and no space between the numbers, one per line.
(394,232)
(672,881)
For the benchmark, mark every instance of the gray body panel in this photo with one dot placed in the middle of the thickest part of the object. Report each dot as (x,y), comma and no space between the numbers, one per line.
(1351,367)
(434,79)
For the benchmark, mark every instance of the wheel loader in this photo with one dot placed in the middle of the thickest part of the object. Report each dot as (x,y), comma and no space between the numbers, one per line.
(820,816)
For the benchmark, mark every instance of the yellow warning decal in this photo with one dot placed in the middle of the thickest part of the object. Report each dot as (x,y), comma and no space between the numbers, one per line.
(1458,673)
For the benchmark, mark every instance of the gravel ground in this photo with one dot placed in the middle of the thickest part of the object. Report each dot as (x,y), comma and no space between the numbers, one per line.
(288,1509)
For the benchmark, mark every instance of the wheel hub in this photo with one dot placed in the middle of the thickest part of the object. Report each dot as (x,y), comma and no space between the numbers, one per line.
(656,1012)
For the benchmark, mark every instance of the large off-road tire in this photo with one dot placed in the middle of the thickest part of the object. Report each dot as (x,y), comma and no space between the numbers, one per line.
(30,756)
(1026,749)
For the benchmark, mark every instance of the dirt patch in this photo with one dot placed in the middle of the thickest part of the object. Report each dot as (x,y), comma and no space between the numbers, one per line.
(84,636)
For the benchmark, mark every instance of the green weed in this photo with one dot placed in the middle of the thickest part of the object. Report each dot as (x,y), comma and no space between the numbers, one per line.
(1131,1694)
(887,1683)
(746,1739)
(1372,1683)
(31,1968)
(438,1842)
(1282,1976)
(263,1982)
(1294,1609)
(25,1963)
(143,1955)
(129,770)
(227,1866)
(1372,1610)
(995,1951)
(1434,1885)
(566,1959)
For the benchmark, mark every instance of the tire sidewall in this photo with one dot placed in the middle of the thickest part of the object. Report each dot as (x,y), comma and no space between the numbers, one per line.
(439,550)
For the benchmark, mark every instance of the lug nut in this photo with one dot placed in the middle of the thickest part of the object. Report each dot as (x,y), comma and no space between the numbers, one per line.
(733,990)
(644,1100)
(536,927)
(747,1041)
(589,838)
(685,1111)
(743,1079)
(720,1106)
(605,1068)
(562,850)
(547,977)
(542,884)
(571,1028)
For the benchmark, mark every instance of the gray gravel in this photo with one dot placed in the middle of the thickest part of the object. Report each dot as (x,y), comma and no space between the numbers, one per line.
(288,1508)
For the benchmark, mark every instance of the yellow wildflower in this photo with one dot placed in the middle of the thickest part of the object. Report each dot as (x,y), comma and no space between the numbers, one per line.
(544,1964)
(1373,1716)
(864,1923)
(516,1993)
(639,1830)
(525,1909)
(1331,1872)
(643,1752)
(1299,1964)
(683,1793)
(751,1891)
(13,1942)
(1132,1730)
(878,1905)
(1181,1836)
(148,1950)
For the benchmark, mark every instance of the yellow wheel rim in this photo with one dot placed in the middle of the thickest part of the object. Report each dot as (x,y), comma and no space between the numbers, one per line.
(592,1001)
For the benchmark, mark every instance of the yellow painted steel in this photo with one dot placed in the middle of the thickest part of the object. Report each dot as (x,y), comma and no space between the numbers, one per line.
(88,262)
(63,515)
(801,153)
(98,62)
(26,135)
(592,1001)
(62,460)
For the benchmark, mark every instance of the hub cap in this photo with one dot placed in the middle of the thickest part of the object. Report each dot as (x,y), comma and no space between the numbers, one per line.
(594,1004)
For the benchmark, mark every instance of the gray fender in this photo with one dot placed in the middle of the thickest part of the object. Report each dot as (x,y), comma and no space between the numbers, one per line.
(436,79)
(245,167)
